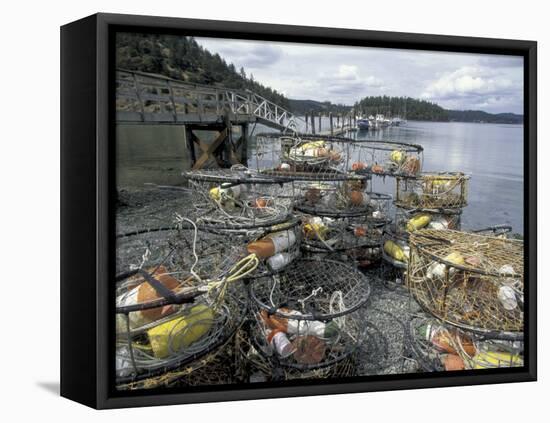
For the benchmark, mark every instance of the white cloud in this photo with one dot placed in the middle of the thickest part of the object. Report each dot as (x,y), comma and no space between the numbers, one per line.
(468,80)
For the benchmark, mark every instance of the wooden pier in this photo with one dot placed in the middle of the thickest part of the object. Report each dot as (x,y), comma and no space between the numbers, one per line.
(150,99)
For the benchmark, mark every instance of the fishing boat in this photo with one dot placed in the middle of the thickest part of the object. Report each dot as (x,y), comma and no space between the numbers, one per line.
(378,122)
(363,124)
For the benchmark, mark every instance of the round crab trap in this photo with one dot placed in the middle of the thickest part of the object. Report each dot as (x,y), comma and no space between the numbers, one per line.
(433,191)
(341,199)
(410,220)
(470,281)
(176,298)
(353,240)
(171,338)
(230,199)
(386,158)
(395,249)
(307,317)
(254,365)
(439,347)
(304,157)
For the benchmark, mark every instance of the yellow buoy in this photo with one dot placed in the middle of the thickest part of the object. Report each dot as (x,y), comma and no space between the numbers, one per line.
(215,194)
(491,359)
(418,222)
(179,333)
(397,156)
(395,251)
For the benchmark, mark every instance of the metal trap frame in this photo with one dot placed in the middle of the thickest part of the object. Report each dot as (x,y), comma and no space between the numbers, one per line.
(353,240)
(470,281)
(177,298)
(255,366)
(236,199)
(439,347)
(176,343)
(306,317)
(386,158)
(410,220)
(433,191)
(304,157)
(339,199)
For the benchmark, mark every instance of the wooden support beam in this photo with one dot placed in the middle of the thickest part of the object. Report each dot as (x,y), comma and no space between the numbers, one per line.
(244,144)
(331,127)
(209,150)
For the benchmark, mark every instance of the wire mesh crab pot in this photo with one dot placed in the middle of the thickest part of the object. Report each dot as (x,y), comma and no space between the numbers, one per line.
(256,365)
(341,199)
(303,157)
(433,191)
(177,299)
(307,317)
(174,337)
(439,347)
(386,158)
(236,199)
(410,220)
(470,281)
(354,240)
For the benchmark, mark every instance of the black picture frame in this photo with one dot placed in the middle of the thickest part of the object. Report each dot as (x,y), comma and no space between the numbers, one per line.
(87,223)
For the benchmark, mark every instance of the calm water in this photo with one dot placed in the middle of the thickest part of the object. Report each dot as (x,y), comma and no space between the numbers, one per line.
(491,154)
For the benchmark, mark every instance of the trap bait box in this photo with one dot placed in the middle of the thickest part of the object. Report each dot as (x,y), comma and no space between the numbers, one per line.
(141,326)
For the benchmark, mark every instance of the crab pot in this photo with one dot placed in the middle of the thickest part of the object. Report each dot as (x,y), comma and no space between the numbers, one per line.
(166,316)
(302,157)
(172,342)
(354,240)
(386,158)
(410,220)
(433,191)
(395,249)
(437,346)
(171,248)
(307,317)
(254,365)
(471,281)
(236,199)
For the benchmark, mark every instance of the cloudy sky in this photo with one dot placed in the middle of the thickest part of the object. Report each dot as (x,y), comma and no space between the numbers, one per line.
(346,74)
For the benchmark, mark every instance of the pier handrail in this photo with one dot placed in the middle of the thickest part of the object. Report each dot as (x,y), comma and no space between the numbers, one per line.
(145,97)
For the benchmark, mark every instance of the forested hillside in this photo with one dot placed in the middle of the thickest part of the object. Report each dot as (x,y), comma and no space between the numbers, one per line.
(184,59)
(405,107)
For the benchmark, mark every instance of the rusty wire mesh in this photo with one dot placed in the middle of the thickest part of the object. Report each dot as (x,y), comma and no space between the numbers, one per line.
(469,280)
(304,157)
(386,158)
(410,220)
(433,191)
(440,347)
